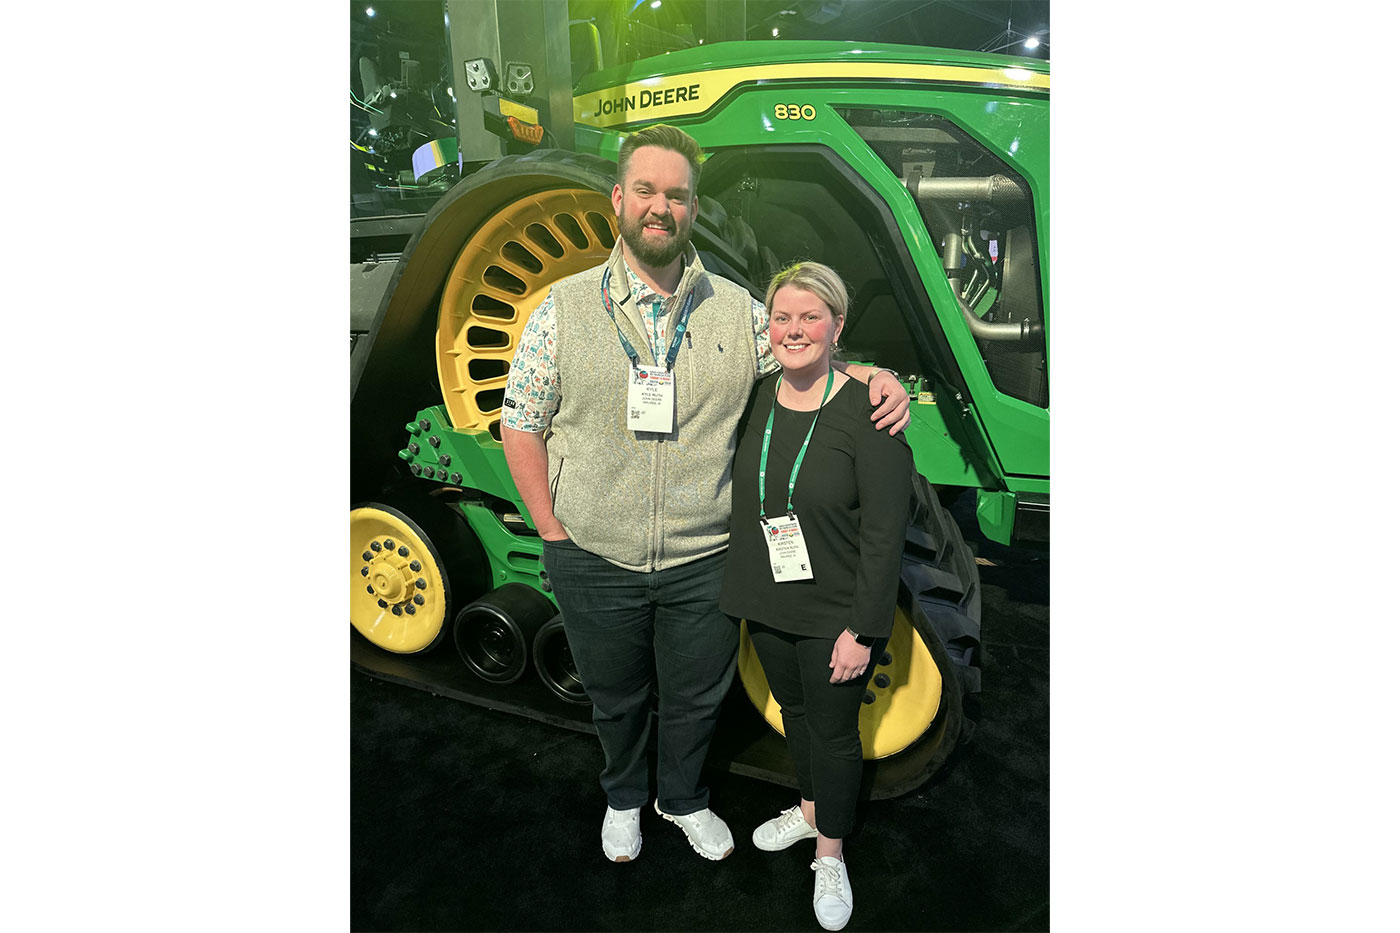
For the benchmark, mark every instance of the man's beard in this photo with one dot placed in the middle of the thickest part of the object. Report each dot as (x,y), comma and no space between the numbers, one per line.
(646,248)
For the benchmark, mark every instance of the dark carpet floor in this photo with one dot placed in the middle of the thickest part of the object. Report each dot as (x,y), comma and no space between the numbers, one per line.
(468,819)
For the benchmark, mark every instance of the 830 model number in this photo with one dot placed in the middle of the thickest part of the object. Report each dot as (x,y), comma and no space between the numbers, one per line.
(794,112)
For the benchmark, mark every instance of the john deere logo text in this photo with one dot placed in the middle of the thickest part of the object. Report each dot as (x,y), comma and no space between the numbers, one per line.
(646,98)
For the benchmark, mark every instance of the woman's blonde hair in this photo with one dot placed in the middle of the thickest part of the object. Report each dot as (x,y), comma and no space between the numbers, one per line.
(813,277)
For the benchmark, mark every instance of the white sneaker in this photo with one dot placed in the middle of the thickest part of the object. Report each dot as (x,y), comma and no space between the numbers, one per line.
(783,830)
(832,900)
(708,834)
(622,834)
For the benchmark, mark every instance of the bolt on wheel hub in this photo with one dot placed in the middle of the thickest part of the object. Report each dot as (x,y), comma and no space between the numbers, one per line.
(388,583)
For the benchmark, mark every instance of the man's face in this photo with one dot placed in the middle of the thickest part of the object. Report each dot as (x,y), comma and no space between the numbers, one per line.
(655,205)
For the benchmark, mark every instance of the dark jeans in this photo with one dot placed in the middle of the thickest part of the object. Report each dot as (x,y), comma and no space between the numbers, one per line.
(632,633)
(820,719)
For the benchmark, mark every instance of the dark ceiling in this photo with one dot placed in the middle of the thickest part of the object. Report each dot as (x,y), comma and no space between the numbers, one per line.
(954,24)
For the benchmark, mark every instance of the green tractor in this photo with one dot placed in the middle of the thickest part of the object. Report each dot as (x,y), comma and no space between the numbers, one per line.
(921,175)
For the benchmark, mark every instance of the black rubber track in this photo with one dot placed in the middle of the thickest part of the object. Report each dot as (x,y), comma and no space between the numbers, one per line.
(941,574)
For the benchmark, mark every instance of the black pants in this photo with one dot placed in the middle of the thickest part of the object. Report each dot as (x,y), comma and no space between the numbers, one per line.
(632,633)
(820,720)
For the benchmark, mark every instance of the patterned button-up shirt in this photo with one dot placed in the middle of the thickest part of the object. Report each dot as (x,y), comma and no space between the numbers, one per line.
(533,383)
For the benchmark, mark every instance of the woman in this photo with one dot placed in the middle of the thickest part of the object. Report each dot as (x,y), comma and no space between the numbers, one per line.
(820,505)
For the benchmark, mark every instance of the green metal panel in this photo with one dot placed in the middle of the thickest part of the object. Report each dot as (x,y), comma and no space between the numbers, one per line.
(996,514)
(514,558)
(1035,484)
(481,461)
(740,54)
(476,455)
(938,455)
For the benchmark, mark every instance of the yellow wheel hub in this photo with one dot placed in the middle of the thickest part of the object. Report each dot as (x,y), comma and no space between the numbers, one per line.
(502,273)
(907,691)
(397,590)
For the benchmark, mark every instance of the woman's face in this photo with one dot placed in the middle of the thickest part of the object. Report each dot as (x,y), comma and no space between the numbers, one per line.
(801,329)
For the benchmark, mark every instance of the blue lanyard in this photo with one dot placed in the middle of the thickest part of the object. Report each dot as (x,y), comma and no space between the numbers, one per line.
(675,347)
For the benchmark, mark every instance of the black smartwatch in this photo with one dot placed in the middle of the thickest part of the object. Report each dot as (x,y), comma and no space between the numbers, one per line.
(865,641)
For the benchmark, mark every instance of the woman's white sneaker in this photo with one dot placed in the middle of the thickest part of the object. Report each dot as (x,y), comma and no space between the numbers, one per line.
(832,900)
(622,834)
(783,830)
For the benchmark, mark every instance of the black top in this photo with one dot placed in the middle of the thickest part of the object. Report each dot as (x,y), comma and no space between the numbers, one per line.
(853,499)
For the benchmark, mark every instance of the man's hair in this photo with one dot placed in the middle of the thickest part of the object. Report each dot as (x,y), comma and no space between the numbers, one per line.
(663,137)
(820,280)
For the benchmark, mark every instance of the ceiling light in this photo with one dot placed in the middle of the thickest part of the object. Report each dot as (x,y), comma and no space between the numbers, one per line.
(656,4)
(369,11)
(1032,42)
(373,131)
(775,32)
(394,94)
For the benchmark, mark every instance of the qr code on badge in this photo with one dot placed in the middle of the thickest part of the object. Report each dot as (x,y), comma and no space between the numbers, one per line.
(636,414)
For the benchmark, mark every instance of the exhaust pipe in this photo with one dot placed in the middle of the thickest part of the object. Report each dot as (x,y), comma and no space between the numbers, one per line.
(983,330)
(997,189)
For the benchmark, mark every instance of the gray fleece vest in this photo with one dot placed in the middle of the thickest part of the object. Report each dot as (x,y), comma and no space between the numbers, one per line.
(647,501)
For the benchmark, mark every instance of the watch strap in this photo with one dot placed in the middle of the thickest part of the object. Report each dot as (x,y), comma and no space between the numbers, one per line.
(865,641)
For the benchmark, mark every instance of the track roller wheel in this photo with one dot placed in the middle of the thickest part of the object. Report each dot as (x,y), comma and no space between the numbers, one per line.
(502,273)
(494,634)
(399,591)
(555,664)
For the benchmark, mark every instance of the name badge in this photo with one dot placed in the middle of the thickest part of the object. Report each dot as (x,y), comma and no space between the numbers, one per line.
(787,552)
(651,399)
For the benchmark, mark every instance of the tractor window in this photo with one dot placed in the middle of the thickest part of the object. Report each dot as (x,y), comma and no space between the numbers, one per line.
(777,205)
(403,134)
(978,211)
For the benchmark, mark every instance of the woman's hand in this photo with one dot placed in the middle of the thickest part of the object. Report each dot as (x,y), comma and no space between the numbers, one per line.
(848,659)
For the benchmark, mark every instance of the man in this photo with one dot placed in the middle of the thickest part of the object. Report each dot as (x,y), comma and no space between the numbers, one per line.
(638,371)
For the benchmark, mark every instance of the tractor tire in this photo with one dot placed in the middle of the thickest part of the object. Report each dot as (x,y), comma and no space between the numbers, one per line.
(916,704)
(419,554)
(462,292)
(941,572)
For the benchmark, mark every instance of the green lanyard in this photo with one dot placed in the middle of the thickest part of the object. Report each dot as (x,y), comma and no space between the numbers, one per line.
(797,464)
